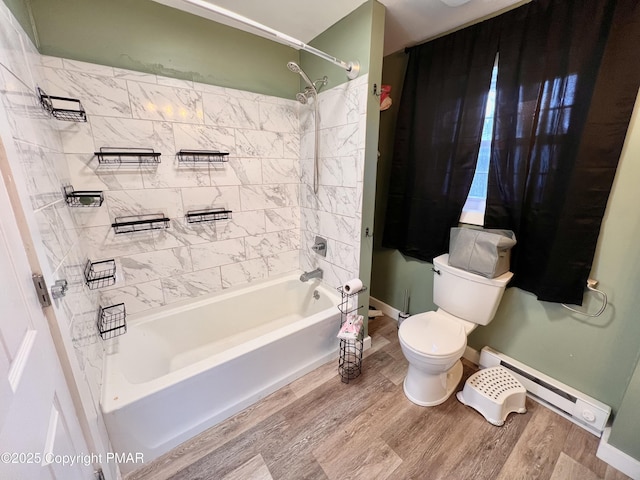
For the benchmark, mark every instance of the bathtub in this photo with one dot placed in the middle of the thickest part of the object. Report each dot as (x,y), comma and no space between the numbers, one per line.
(181,369)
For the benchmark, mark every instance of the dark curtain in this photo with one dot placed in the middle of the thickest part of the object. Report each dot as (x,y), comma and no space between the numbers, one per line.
(437,138)
(568,77)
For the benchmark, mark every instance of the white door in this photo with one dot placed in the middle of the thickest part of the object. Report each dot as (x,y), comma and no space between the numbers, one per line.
(40,434)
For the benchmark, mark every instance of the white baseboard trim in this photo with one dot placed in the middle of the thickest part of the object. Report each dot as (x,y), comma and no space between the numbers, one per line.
(472,355)
(366,343)
(617,458)
(384,308)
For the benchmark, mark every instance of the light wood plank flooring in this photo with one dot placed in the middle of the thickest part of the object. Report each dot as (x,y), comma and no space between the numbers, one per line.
(320,428)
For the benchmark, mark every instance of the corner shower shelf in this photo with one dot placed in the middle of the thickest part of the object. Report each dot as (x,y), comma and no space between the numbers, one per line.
(100,274)
(62,108)
(209,215)
(112,321)
(127,156)
(83,198)
(140,223)
(350,360)
(202,156)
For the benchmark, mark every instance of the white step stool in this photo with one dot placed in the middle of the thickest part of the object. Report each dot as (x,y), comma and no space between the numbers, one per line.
(495,393)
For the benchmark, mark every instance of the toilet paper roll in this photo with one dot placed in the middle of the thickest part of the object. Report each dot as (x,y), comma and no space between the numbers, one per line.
(352,286)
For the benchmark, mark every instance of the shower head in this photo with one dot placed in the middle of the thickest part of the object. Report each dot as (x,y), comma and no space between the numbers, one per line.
(303,97)
(295,68)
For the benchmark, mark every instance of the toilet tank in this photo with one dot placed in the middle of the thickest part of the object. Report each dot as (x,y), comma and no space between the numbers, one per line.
(466,295)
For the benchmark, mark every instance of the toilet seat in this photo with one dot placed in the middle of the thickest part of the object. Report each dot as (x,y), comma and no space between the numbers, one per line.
(432,334)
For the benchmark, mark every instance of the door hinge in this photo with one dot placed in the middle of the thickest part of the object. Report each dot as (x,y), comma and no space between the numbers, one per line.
(41,290)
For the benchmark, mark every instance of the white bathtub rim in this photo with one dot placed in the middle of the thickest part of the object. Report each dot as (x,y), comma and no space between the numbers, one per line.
(235,291)
(118,392)
(126,393)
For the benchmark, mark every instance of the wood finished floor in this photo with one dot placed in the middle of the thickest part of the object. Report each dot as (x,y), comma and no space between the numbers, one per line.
(320,428)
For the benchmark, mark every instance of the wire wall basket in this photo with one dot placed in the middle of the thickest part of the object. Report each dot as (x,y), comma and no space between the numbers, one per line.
(127,156)
(100,274)
(140,223)
(208,215)
(202,156)
(62,108)
(112,321)
(83,198)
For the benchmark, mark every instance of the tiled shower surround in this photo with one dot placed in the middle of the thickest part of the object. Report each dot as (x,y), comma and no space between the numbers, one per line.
(266,183)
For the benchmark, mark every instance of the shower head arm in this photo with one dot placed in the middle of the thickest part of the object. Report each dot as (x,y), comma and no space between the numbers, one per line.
(321,81)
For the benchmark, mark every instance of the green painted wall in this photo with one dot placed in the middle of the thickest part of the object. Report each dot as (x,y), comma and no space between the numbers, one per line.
(146,36)
(348,40)
(597,356)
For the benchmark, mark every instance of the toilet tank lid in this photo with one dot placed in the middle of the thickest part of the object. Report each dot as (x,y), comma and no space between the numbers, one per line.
(442,263)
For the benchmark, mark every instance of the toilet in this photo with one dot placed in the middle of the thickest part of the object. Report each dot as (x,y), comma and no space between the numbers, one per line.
(433,342)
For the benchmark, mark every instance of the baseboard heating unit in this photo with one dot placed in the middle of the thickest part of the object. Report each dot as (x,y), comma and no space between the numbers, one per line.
(581,409)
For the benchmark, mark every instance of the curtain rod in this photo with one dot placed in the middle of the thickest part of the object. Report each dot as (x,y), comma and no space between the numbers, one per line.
(352,68)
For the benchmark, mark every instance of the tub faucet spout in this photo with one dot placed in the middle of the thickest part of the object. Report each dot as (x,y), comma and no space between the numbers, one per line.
(306,276)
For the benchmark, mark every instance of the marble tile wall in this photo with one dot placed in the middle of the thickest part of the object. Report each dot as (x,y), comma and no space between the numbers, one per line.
(335,211)
(266,182)
(260,183)
(36,157)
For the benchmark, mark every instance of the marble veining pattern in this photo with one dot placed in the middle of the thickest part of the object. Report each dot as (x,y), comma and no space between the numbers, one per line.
(204,137)
(282,218)
(259,143)
(244,272)
(132,133)
(225,111)
(214,254)
(148,266)
(99,94)
(191,285)
(156,102)
(137,298)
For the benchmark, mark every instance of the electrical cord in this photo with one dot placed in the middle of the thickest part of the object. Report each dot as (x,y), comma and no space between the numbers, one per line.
(591,284)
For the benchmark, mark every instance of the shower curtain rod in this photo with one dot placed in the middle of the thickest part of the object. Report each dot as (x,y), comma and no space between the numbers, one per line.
(352,68)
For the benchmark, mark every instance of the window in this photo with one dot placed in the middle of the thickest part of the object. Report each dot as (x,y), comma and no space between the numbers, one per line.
(558,94)
(473,210)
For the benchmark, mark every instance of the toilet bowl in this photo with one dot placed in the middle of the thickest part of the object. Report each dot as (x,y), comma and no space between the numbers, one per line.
(433,342)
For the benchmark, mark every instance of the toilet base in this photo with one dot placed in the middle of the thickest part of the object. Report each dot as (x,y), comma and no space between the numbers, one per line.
(429,390)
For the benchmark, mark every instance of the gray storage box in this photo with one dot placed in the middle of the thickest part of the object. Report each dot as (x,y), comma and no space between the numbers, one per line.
(483,252)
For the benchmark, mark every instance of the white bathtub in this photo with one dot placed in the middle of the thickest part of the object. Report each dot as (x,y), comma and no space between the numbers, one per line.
(184,368)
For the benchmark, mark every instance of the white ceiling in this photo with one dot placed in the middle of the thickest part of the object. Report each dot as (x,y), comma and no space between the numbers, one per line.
(407,22)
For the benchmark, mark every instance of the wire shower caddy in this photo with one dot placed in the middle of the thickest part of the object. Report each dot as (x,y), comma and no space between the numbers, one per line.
(350,361)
